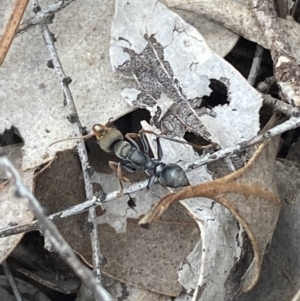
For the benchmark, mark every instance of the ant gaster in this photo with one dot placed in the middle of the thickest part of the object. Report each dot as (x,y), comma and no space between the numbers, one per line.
(111,140)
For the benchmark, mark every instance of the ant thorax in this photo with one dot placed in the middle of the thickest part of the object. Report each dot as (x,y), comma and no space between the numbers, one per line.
(157,169)
(122,149)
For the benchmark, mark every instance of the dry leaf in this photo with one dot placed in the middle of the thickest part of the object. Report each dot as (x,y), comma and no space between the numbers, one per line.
(60,186)
(150,259)
(250,194)
(34,101)
(280,275)
(147,40)
(29,88)
(221,244)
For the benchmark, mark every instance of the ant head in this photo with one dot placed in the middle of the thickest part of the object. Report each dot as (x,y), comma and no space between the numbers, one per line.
(100,130)
(106,136)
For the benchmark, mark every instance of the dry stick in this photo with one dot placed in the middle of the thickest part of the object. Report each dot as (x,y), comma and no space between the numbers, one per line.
(74,210)
(292,123)
(255,65)
(12,281)
(281,106)
(286,69)
(296,3)
(60,245)
(44,16)
(11,27)
(81,150)
(297,296)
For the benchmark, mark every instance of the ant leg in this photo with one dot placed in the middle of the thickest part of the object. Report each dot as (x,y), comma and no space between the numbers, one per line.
(159,149)
(142,137)
(151,181)
(129,137)
(212,145)
(116,167)
(144,141)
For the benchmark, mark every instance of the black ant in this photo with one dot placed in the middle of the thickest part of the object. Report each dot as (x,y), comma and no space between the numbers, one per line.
(111,140)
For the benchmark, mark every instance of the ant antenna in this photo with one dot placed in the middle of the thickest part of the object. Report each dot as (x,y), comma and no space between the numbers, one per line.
(73,138)
(94,133)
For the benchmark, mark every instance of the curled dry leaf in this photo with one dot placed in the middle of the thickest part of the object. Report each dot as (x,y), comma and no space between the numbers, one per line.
(280,274)
(251,196)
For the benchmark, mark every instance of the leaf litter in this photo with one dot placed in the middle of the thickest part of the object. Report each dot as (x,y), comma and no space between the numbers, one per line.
(182,114)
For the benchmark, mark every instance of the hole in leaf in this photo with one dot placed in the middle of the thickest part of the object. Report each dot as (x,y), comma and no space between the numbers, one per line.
(11,136)
(192,138)
(218,96)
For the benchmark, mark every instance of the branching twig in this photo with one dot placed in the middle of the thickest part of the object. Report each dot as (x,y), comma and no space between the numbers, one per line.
(74,210)
(81,150)
(51,231)
(12,281)
(286,69)
(292,123)
(44,16)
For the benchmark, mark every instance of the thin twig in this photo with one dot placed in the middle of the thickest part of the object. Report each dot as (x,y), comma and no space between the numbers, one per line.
(296,3)
(81,150)
(11,27)
(292,123)
(281,106)
(255,65)
(74,210)
(59,243)
(43,16)
(12,281)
